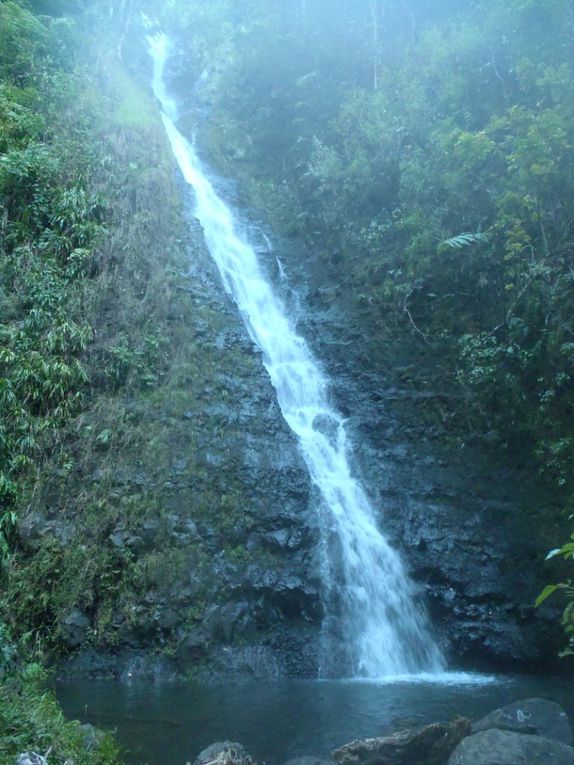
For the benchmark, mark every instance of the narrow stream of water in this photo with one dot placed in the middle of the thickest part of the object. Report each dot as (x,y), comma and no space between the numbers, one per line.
(373,627)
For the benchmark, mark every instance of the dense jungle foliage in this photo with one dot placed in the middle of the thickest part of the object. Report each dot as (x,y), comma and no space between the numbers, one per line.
(70,121)
(425,152)
(49,223)
(108,362)
(31,720)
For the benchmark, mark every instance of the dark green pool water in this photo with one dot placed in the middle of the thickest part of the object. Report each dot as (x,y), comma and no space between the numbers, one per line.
(168,724)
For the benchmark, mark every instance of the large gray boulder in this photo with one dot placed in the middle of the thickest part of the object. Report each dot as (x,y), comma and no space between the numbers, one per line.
(429,746)
(539,716)
(502,747)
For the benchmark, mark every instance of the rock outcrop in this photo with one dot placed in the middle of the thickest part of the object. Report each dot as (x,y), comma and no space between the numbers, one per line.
(431,745)
(460,516)
(506,736)
(501,747)
(176,527)
(537,716)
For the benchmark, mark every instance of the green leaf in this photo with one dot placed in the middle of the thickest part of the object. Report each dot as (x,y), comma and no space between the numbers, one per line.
(546,592)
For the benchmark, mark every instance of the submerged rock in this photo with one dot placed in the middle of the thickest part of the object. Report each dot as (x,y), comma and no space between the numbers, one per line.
(429,746)
(539,716)
(502,747)
(224,753)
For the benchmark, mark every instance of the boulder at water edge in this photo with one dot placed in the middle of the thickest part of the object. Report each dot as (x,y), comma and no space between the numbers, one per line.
(429,746)
(539,716)
(502,747)
(224,753)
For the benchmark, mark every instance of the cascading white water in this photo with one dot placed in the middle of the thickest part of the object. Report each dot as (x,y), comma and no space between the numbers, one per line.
(373,627)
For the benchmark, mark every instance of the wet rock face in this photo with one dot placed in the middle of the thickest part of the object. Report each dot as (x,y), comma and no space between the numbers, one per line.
(464,525)
(222,520)
(462,518)
(75,629)
(263,592)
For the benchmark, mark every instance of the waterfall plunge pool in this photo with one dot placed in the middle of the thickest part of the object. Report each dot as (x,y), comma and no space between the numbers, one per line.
(160,722)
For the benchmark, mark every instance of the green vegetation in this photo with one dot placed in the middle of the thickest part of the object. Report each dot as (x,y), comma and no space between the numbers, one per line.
(30,720)
(101,353)
(110,362)
(425,151)
(50,224)
(567,588)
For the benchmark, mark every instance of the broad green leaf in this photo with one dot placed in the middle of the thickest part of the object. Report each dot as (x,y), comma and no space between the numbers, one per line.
(546,592)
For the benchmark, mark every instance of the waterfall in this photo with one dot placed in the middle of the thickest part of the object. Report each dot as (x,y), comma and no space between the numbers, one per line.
(373,627)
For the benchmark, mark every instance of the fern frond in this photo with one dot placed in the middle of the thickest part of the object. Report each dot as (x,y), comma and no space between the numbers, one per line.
(462,240)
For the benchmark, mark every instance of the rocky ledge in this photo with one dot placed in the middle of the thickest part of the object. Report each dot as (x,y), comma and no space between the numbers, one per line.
(530,732)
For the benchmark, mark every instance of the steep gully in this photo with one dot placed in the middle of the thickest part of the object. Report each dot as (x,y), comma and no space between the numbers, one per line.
(373,626)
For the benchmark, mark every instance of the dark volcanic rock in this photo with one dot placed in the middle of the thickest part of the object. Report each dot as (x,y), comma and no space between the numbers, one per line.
(460,516)
(75,629)
(429,746)
(539,716)
(36,527)
(501,747)
(194,645)
(223,622)
(213,501)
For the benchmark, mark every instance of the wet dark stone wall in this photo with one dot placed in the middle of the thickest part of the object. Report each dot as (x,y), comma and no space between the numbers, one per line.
(472,525)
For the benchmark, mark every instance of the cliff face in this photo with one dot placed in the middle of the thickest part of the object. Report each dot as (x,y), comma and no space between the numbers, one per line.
(473,521)
(461,516)
(466,519)
(170,523)
(172,516)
